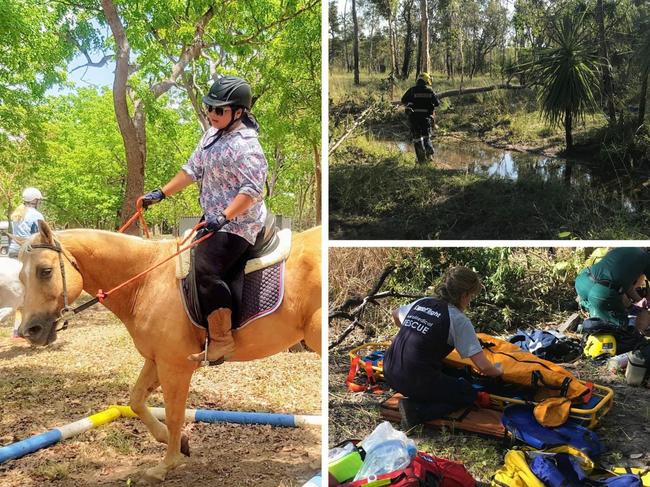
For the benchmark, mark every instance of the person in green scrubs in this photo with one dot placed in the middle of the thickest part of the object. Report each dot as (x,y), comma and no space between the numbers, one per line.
(608,288)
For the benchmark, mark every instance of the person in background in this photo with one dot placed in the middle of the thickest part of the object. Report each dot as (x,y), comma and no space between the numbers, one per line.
(231,167)
(24,223)
(607,289)
(420,102)
(430,328)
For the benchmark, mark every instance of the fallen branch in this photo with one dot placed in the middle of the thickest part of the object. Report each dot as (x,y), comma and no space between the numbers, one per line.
(344,335)
(356,123)
(355,314)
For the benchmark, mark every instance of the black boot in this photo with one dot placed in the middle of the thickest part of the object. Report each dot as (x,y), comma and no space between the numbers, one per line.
(420,152)
(417,412)
(428,147)
(413,413)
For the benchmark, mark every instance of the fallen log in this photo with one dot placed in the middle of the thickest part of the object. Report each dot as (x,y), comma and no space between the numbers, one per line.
(470,91)
(481,89)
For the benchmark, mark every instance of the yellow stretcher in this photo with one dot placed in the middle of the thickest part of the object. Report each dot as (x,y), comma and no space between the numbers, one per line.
(588,415)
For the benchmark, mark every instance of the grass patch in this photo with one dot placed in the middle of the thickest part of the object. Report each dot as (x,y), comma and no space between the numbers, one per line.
(399,200)
(52,470)
(118,439)
(481,455)
(94,364)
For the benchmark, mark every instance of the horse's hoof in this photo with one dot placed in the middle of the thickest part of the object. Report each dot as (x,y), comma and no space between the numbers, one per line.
(185,445)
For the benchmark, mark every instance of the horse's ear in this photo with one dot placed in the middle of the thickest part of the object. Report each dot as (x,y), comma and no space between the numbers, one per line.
(46,232)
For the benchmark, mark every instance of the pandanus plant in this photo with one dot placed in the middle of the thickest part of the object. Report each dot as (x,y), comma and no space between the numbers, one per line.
(567,73)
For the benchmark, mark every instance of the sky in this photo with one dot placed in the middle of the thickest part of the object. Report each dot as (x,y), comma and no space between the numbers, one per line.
(85,77)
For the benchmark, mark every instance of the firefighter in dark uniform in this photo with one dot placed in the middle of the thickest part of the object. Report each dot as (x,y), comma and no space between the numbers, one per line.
(420,102)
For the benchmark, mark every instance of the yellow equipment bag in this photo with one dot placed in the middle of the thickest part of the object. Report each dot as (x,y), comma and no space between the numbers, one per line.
(553,412)
(524,368)
(515,472)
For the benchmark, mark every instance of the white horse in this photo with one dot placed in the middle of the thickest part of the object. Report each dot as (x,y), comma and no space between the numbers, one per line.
(11,289)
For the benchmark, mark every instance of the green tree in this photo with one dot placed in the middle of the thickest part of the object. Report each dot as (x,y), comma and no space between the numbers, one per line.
(33,58)
(83,168)
(642,51)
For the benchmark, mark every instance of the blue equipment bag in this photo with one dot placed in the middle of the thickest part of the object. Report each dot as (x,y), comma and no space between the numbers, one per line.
(549,345)
(521,423)
(564,470)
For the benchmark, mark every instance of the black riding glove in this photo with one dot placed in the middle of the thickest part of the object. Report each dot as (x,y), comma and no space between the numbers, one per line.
(152,197)
(215,222)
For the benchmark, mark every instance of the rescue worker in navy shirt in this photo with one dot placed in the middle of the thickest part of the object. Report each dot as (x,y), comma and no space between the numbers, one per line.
(421,101)
(430,329)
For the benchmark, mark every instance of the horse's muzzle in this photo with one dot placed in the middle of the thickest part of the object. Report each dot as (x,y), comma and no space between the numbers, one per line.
(39,330)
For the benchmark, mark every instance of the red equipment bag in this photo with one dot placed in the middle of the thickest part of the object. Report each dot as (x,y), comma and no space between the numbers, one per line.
(423,471)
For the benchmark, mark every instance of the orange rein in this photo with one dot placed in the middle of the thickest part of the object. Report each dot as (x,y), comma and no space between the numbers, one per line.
(101,295)
(139,214)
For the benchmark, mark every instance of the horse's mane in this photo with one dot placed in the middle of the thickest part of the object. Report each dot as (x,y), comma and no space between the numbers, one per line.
(139,242)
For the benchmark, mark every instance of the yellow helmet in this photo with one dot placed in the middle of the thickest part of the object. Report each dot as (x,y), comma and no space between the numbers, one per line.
(600,345)
(426,77)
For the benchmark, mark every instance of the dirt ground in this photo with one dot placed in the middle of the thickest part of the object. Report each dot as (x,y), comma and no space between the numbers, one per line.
(625,431)
(93,365)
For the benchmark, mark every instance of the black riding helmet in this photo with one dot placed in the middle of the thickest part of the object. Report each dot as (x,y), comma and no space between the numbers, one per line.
(229,90)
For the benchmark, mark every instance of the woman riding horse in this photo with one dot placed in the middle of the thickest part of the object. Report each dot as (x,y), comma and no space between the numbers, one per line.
(231,167)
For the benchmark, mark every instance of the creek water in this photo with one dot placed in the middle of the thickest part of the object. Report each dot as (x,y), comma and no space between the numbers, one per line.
(482,159)
(479,158)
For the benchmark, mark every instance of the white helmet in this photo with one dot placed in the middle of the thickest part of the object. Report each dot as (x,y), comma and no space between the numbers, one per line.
(31,194)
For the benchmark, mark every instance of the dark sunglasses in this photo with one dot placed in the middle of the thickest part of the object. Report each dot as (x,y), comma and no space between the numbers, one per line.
(217,110)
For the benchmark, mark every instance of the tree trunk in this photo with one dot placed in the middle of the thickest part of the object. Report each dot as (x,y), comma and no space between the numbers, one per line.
(408,40)
(568,122)
(393,60)
(607,69)
(462,57)
(132,147)
(418,65)
(371,55)
(345,38)
(317,175)
(424,35)
(644,96)
(449,63)
(133,130)
(395,45)
(355,43)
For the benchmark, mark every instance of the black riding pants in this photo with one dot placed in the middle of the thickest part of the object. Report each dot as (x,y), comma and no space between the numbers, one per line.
(219,264)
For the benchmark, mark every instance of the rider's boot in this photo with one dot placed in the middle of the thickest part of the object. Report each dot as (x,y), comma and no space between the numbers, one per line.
(221,345)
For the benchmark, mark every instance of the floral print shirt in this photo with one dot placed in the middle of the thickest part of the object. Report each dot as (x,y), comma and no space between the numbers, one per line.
(234,164)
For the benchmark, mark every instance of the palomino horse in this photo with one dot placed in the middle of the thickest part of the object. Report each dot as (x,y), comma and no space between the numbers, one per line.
(152,310)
